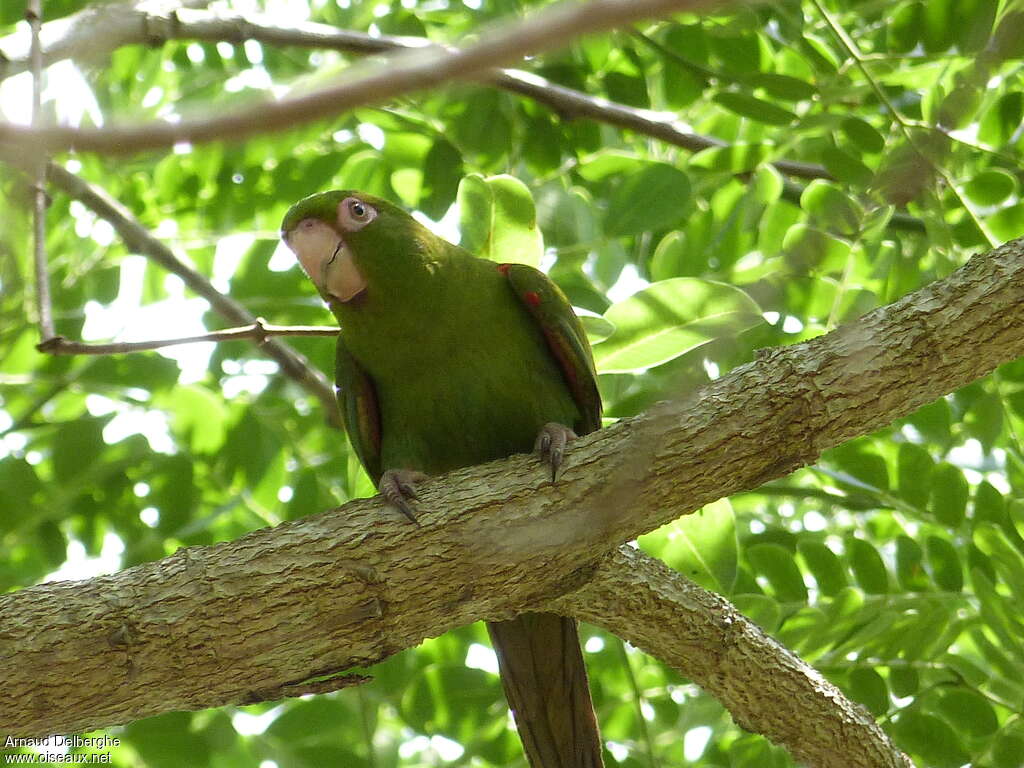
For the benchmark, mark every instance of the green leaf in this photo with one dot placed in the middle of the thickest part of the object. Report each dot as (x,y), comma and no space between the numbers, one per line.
(597,328)
(1000,612)
(969,712)
(846,167)
(452,700)
(868,566)
(609,163)
(809,248)
(670,258)
(567,218)
(1002,120)
(984,420)
(1008,223)
(826,567)
(973,21)
(498,221)
(783,86)
(19,484)
(1007,750)
(368,172)
(831,206)
(76,446)
(777,565)
(200,415)
(1009,562)
(702,546)
(734,158)
(949,494)
(670,318)
(654,198)
(910,565)
(442,171)
(753,108)
(868,687)
(914,471)
(937,16)
(863,134)
(159,741)
(904,681)
(867,470)
(51,543)
(904,27)
(762,610)
(991,187)
(933,421)
(945,564)
(820,55)
(767,185)
(931,738)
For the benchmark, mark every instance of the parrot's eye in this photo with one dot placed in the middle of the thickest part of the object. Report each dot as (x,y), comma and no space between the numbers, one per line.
(354,214)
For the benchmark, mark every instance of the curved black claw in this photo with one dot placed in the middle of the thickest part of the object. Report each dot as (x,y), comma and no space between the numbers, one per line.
(550,444)
(398,486)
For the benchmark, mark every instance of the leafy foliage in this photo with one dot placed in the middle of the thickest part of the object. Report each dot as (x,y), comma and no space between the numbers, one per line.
(895,565)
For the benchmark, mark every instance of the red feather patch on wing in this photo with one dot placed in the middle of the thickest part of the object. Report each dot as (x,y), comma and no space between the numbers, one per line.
(565,337)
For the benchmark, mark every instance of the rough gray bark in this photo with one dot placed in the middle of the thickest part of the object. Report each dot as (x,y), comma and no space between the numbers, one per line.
(255,618)
(766,688)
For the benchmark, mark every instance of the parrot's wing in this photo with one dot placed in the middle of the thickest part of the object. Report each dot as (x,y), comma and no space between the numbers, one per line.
(565,336)
(357,397)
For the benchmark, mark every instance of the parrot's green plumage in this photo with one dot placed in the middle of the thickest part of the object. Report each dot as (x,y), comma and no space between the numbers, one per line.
(446,360)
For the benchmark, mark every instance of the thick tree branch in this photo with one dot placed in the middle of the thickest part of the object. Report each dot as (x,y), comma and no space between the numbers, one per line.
(405,72)
(148,24)
(765,687)
(89,34)
(224,624)
(145,24)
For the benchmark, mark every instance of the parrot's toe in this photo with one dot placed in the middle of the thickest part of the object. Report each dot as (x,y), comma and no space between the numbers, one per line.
(550,444)
(398,486)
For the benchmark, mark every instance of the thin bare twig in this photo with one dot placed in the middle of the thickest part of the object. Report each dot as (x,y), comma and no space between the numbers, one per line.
(258,331)
(404,73)
(44,307)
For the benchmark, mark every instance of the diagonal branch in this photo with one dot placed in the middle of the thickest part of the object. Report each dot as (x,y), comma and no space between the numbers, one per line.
(645,602)
(135,24)
(241,621)
(139,240)
(89,34)
(406,72)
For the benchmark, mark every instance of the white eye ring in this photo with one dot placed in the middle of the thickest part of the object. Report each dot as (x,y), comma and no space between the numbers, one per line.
(354,214)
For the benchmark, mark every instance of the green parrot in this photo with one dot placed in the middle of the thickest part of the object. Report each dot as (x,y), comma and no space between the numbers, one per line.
(445,360)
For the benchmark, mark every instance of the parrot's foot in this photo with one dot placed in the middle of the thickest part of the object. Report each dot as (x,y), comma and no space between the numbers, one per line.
(398,486)
(550,444)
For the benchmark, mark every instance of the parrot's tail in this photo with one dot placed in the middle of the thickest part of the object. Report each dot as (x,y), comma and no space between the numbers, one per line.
(546,686)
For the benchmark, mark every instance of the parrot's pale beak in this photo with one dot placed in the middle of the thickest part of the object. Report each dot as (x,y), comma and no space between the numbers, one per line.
(326,259)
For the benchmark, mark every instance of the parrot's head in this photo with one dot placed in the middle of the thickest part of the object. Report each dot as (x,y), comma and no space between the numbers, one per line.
(344,238)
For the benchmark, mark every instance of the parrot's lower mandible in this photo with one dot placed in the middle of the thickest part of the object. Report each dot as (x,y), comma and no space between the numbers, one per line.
(445,360)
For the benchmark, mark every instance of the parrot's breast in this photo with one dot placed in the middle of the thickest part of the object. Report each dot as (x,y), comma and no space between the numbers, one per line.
(474,384)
